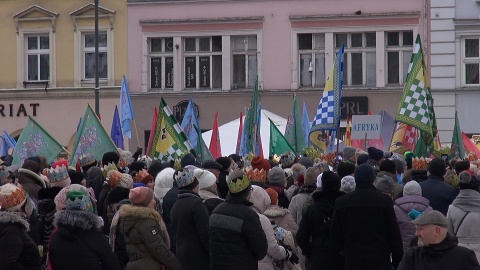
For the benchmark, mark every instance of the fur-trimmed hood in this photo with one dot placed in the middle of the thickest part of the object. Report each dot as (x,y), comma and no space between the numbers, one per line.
(13,217)
(77,220)
(275,211)
(26,175)
(138,212)
(206,194)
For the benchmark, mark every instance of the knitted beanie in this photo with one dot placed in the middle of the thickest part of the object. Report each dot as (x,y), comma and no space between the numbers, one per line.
(187,159)
(110,157)
(276,176)
(412,188)
(348,152)
(330,181)
(364,174)
(205,178)
(385,184)
(347,184)
(260,163)
(375,154)
(345,168)
(140,196)
(225,162)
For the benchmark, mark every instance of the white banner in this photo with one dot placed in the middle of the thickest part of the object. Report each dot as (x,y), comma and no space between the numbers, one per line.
(371,125)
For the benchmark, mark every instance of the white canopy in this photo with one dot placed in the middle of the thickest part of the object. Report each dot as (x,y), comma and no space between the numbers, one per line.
(229,132)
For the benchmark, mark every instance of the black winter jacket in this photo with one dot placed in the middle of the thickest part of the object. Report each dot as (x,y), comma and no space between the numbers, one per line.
(103,208)
(313,235)
(439,193)
(78,243)
(190,225)
(168,202)
(237,240)
(365,226)
(446,255)
(17,249)
(222,185)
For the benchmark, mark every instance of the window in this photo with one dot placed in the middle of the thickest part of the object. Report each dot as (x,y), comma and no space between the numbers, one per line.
(88,42)
(359,62)
(471,61)
(244,51)
(161,63)
(37,58)
(311,53)
(399,47)
(203,62)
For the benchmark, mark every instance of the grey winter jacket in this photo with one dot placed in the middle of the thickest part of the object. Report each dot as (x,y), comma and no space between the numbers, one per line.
(402,207)
(468,232)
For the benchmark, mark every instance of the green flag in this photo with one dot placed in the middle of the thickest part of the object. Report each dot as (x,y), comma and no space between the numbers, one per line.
(416,106)
(251,123)
(169,140)
(420,149)
(92,139)
(201,150)
(278,143)
(34,141)
(294,131)
(457,149)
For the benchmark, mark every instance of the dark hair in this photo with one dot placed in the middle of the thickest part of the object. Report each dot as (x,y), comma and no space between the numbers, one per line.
(388,166)
(467,181)
(461,165)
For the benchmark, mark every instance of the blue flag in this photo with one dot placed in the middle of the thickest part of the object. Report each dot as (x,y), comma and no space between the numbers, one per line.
(9,140)
(243,151)
(305,123)
(126,112)
(3,147)
(116,132)
(191,128)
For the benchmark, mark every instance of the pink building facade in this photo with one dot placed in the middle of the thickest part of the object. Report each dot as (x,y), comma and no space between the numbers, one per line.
(214,50)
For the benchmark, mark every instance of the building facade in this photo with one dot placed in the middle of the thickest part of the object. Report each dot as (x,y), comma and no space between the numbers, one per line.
(47,69)
(214,50)
(455,64)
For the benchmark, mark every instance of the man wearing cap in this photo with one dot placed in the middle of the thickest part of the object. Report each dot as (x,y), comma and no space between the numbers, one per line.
(437,248)
(349,155)
(365,227)
(237,240)
(190,223)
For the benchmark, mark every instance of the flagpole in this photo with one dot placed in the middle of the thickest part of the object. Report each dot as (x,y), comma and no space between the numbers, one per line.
(136,132)
(63,148)
(338,132)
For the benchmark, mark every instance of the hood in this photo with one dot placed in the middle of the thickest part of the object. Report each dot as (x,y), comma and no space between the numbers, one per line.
(468,200)
(13,217)
(275,211)
(27,176)
(307,189)
(410,202)
(440,248)
(129,215)
(205,195)
(383,173)
(260,199)
(159,193)
(77,220)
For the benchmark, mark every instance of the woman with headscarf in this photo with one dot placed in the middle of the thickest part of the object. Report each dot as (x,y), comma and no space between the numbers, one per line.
(17,249)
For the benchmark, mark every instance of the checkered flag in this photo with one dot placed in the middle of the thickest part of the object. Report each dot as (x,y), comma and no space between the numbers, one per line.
(416,106)
(409,137)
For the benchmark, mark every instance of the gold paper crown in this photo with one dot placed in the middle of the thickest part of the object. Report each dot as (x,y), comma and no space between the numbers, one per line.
(15,198)
(256,175)
(113,178)
(109,167)
(140,176)
(58,174)
(237,181)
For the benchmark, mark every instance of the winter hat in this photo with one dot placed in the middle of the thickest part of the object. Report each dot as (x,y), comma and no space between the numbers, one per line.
(48,193)
(31,165)
(260,163)
(110,157)
(287,159)
(375,154)
(58,174)
(205,178)
(330,181)
(273,196)
(155,167)
(276,176)
(467,180)
(432,218)
(78,200)
(140,196)
(61,198)
(235,157)
(117,194)
(347,184)
(400,165)
(364,174)
(437,167)
(238,183)
(385,184)
(305,161)
(163,182)
(187,159)
(140,184)
(12,197)
(185,179)
(348,152)
(75,177)
(412,188)
(461,165)
(362,159)
(225,162)
(345,168)
(142,176)
(311,176)
(359,152)
(389,166)
(137,166)
(211,164)
(256,175)
(116,178)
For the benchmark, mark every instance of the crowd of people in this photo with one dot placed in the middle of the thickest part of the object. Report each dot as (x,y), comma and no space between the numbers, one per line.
(364,210)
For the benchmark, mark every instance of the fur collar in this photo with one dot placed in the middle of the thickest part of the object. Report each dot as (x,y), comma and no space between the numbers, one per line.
(33,176)
(275,211)
(205,195)
(75,219)
(12,217)
(138,212)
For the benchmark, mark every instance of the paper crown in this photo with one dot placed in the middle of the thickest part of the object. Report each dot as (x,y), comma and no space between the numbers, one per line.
(86,159)
(256,175)
(12,197)
(113,177)
(58,174)
(183,177)
(287,159)
(77,200)
(237,181)
(142,176)
(109,167)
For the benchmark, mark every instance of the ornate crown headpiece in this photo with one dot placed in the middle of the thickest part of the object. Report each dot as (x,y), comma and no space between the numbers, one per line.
(140,176)
(237,181)
(58,174)
(109,167)
(183,177)
(256,175)
(13,200)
